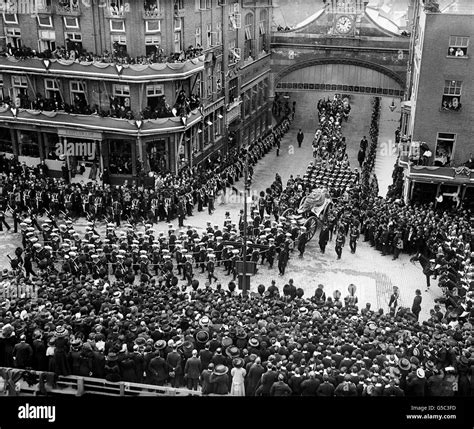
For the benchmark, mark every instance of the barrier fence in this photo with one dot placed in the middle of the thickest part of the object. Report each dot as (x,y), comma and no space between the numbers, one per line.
(73,385)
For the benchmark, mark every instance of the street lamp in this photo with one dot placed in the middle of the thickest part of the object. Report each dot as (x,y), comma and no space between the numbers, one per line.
(245,286)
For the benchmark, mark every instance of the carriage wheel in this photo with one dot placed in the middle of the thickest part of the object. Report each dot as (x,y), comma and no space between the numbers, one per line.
(288,212)
(311,226)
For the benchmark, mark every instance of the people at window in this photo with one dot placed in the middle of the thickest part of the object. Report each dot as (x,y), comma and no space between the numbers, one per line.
(451,103)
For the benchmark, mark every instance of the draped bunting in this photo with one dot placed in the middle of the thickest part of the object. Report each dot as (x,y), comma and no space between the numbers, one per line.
(135,67)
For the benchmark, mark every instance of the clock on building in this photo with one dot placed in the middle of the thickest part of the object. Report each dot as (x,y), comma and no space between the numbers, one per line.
(343,24)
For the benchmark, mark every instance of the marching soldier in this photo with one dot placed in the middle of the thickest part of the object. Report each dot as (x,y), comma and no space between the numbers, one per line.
(188,269)
(210,267)
(233,263)
(303,239)
(283,258)
(353,237)
(340,241)
(117,211)
(271,252)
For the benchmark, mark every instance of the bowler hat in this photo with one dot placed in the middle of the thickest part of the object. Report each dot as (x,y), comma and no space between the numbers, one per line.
(220,370)
(404,364)
(232,352)
(160,344)
(253,342)
(202,337)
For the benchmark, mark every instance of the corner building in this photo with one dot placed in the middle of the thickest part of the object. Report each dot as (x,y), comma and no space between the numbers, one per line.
(439,108)
(154,85)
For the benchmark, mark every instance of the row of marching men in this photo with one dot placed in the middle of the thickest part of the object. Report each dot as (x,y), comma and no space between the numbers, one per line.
(131,252)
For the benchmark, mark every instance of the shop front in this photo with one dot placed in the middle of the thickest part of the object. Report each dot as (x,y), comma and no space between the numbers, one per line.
(445,187)
(80,151)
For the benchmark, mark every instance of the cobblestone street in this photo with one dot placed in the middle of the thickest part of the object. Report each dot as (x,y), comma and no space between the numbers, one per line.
(373,274)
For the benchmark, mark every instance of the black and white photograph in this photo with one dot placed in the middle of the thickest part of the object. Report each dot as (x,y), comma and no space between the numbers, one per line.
(206,204)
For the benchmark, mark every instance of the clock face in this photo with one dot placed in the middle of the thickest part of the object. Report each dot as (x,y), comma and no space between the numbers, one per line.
(343,24)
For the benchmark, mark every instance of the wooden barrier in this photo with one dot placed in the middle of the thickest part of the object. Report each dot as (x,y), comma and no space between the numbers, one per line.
(78,386)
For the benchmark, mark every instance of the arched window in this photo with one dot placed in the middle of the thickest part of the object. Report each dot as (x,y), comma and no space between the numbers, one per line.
(262,31)
(249,35)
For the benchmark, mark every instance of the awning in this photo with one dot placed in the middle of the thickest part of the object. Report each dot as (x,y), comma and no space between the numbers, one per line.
(450,175)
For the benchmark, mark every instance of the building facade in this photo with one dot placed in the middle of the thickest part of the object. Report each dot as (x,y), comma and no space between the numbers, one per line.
(155,85)
(437,113)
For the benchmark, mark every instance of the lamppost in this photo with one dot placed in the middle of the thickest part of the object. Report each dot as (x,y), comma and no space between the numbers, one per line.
(245,286)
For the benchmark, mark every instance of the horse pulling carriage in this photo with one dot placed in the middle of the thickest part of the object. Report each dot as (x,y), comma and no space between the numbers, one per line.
(312,210)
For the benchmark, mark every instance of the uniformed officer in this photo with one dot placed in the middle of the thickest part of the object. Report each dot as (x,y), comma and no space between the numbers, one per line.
(210,267)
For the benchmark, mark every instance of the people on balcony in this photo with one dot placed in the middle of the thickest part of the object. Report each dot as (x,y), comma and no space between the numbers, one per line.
(151,9)
(73,51)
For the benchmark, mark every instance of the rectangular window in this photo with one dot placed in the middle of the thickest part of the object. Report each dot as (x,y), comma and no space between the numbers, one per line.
(119,43)
(122,90)
(52,90)
(68,6)
(233,86)
(73,40)
(209,85)
(155,95)
(177,41)
(452,95)
(152,6)
(116,7)
(218,77)
(458,46)
(45,21)
(202,4)
(198,37)
(47,40)
(177,24)
(19,82)
(20,90)
(151,43)
(10,18)
(209,35)
(13,36)
(444,149)
(122,94)
(73,37)
(78,92)
(117,25)
(71,22)
(153,26)
(219,33)
(156,90)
